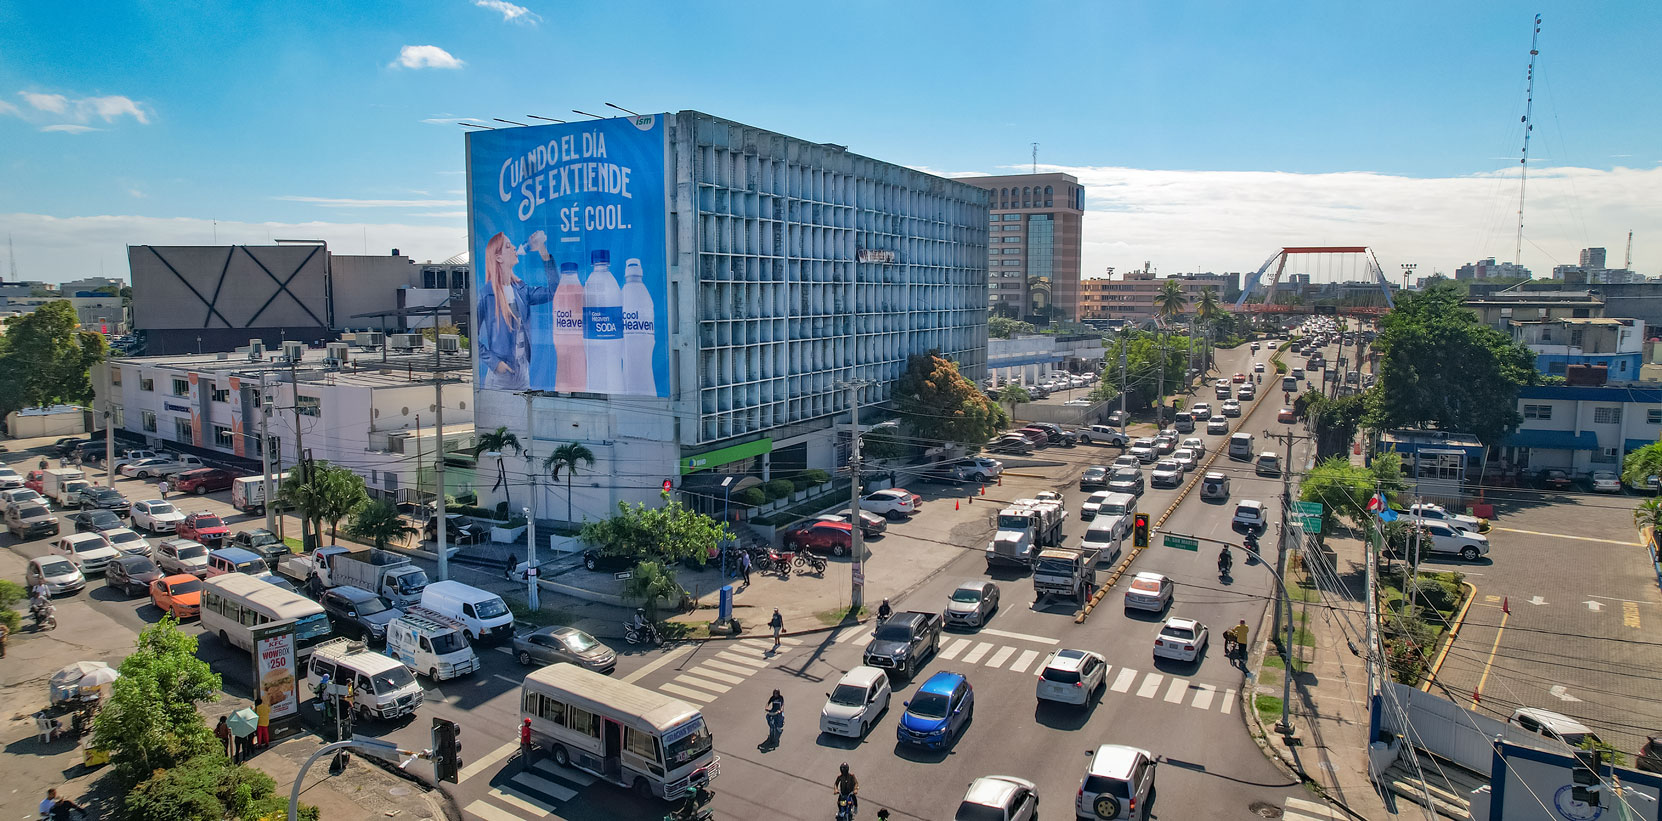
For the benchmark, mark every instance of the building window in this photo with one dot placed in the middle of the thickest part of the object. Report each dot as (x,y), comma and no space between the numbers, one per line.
(1556,368)
(1606,456)
(1010,251)
(1010,217)
(148,419)
(308,405)
(221,394)
(1607,416)
(1537,411)
(182,431)
(115,376)
(181,387)
(146,383)
(1653,416)
(223,438)
(1010,239)
(273,444)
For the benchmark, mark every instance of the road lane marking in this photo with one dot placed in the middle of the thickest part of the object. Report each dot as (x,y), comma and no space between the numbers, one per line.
(490,812)
(1179,688)
(755,664)
(755,651)
(1003,655)
(1504,615)
(713,664)
(952,651)
(1203,698)
(1151,685)
(1564,536)
(1228,702)
(521,801)
(578,777)
(490,759)
(1024,661)
(979,651)
(694,681)
(661,661)
(552,790)
(1020,636)
(851,636)
(1123,682)
(708,672)
(1630,614)
(685,692)
(509,680)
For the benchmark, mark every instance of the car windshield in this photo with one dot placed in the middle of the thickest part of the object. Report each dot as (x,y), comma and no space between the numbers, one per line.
(1055,567)
(492,607)
(105,495)
(967,594)
(1061,676)
(159,509)
(969,811)
(392,680)
(140,567)
(32,512)
(123,538)
(369,607)
(207,522)
(90,544)
(185,587)
(1179,633)
(579,642)
(259,538)
(849,695)
(57,568)
(449,642)
(194,551)
(928,705)
(1127,474)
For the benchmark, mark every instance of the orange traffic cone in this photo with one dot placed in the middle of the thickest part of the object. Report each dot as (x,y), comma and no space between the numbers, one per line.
(983,490)
(1506,605)
(955,505)
(1001,482)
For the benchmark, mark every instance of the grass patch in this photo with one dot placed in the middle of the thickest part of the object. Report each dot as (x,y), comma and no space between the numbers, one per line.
(1304,592)
(836,616)
(1272,660)
(1269,708)
(1269,678)
(545,617)
(1303,637)
(294,545)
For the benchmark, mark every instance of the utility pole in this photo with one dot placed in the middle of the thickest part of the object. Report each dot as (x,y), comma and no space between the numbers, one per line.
(531,593)
(438,470)
(301,463)
(1284,625)
(265,458)
(1529,126)
(1160,396)
(109,419)
(1124,388)
(857,551)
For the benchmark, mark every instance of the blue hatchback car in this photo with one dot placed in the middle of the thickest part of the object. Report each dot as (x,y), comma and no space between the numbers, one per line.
(937,712)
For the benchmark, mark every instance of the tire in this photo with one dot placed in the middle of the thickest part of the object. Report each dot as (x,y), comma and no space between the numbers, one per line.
(838,550)
(1469,553)
(144,474)
(981,477)
(224,639)
(642,788)
(525,658)
(865,727)
(201,490)
(911,668)
(590,563)
(561,757)
(894,516)
(471,638)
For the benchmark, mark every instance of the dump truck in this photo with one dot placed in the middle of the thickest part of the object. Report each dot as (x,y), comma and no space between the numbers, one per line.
(386,574)
(1023,528)
(1070,571)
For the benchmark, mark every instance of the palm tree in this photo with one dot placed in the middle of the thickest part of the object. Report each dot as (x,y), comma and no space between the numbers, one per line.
(331,493)
(1170,300)
(566,457)
(379,521)
(1208,305)
(499,441)
(1013,394)
(1649,514)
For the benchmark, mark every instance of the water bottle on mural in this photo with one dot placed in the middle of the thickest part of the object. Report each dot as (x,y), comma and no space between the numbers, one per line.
(603,326)
(570,365)
(638,333)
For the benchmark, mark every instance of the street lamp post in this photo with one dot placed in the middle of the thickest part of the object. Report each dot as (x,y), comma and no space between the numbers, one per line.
(531,597)
(726,496)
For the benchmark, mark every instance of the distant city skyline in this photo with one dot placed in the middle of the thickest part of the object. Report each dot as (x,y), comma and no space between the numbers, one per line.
(1193,131)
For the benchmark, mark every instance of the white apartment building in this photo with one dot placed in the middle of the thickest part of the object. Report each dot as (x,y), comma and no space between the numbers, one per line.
(1583,428)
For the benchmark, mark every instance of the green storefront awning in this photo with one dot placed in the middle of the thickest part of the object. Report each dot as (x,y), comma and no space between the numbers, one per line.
(722,456)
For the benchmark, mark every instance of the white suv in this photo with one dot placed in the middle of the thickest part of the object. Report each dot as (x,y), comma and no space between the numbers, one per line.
(156,516)
(1071,677)
(1250,515)
(1452,540)
(1119,783)
(895,503)
(90,552)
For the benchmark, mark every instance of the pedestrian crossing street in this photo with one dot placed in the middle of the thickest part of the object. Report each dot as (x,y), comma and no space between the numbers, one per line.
(1019,659)
(726,668)
(534,793)
(1299,809)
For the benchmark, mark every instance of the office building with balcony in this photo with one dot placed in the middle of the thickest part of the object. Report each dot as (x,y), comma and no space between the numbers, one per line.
(1034,239)
(1131,297)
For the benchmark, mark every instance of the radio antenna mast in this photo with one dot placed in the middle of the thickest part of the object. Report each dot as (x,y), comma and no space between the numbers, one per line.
(1529,110)
(1035,158)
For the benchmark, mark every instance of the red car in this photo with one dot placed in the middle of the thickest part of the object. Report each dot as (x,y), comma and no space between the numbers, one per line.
(204,528)
(820,536)
(33,481)
(203,481)
(1286,415)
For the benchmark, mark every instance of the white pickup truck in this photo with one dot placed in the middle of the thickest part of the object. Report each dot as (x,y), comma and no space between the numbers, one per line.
(180,464)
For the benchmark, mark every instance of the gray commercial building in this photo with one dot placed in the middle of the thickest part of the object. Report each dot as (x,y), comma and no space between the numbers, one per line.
(1033,245)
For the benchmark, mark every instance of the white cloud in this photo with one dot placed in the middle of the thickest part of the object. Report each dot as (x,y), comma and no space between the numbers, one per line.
(55,103)
(79,111)
(425,57)
(112,108)
(56,249)
(338,202)
(453,120)
(69,128)
(510,12)
(1185,221)
(442,214)
(137,194)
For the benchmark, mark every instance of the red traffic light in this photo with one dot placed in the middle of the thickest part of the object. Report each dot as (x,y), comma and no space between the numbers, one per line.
(668,485)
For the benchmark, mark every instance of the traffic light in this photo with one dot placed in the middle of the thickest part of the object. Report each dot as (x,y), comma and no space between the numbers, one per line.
(1139,531)
(447,750)
(1584,777)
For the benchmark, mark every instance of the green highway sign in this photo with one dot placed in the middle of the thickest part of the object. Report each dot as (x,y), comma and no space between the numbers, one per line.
(1183,543)
(1308,516)
(1308,508)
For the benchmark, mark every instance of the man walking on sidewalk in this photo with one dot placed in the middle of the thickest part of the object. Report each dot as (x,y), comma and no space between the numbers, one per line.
(778,625)
(525,746)
(744,566)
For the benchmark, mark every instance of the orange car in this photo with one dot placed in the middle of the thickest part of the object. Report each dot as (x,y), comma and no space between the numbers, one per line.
(180,595)
(1286,415)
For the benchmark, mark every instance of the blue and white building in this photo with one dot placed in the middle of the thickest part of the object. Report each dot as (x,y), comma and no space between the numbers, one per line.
(1616,344)
(1583,429)
(1026,360)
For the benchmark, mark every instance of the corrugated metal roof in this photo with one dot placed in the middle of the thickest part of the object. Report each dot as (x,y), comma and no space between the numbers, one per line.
(1593,393)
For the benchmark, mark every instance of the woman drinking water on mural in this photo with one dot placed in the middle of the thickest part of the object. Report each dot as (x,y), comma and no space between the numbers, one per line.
(504,347)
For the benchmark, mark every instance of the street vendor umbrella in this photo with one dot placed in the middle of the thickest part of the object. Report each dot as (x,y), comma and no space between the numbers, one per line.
(243,721)
(66,683)
(99,679)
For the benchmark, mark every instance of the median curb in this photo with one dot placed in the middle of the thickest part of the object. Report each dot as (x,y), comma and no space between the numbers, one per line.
(1448,639)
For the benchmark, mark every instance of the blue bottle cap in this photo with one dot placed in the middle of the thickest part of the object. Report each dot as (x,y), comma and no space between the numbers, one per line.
(568,268)
(597,257)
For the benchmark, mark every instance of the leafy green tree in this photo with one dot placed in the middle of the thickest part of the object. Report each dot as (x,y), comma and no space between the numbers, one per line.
(1012,395)
(671,532)
(1342,489)
(1439,367)
(10,594)
(1003,327)
(1170,300)
(1333,420)
(330,493)
(651,582)
(566,458)
(938,403)
(1387,475)
(44,357)
(1145,354)
(883,442)
(150,721)
(499,441)
(1649,514)
(1641,464)
(210,788)
(379,521)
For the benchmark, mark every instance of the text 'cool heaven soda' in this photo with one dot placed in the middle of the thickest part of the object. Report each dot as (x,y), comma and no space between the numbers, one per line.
(638,333)
(603,326)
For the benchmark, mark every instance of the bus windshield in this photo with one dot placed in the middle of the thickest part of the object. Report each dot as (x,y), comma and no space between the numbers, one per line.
(309,630)
(689,747)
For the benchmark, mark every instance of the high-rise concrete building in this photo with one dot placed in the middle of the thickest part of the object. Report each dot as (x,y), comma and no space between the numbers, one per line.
(1592,258)
(1490,269)
(1033,245)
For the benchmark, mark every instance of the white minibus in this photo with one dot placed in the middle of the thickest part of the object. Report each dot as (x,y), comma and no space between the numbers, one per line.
(234,602)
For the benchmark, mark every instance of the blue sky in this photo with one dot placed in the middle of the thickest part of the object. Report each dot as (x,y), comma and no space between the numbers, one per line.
(1208,133)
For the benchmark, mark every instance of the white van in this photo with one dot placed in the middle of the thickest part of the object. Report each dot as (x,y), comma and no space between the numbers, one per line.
(381,687)
(1268,464)
(481,613)
(427,642)
(1240,446)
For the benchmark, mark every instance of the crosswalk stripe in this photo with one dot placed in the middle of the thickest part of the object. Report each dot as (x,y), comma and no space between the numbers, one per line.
(752,650)
(578,777)
(1228,701)
(727,667)
(1004,653)
(520,800)
(542,785)
(1023,661)
(746,660)
(975,655)
(1123,682)
(952,650)
(853,636)
(695,681)
(490,812)
(710,672)
(988,631)
(500,649)
(1151,685)
(1179,688)
(686,692)
(488,760)
(1203,699)
(1299,809)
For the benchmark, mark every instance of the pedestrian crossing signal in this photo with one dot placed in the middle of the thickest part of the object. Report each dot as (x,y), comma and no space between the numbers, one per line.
(1139,531)
(447,750)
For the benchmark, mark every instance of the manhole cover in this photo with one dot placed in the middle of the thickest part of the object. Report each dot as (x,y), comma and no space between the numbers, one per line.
(1263,810)
(399,790)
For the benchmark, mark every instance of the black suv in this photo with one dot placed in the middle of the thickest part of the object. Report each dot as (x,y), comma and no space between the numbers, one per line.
(1095,477)
(95,521)
(458,529)
(359,611)
(262,542)
(105,498)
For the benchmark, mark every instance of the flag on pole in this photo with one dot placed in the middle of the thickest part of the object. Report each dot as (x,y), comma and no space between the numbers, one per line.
(1376,503)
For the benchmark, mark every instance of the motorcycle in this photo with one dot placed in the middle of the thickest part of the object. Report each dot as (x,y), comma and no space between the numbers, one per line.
(781,561)
(776,723)
(649,633)
(46,616)
(1225,564)
(810,562)
(847,806)
(695,807)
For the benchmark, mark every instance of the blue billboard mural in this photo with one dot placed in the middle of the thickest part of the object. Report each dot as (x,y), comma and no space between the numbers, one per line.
(570,257)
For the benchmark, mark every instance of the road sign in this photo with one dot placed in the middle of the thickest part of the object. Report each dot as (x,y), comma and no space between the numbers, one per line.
(1183,543)
(1308,508)
(1308,516)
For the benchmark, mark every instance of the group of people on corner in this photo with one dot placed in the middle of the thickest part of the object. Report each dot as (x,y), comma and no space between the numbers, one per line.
(240,748)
